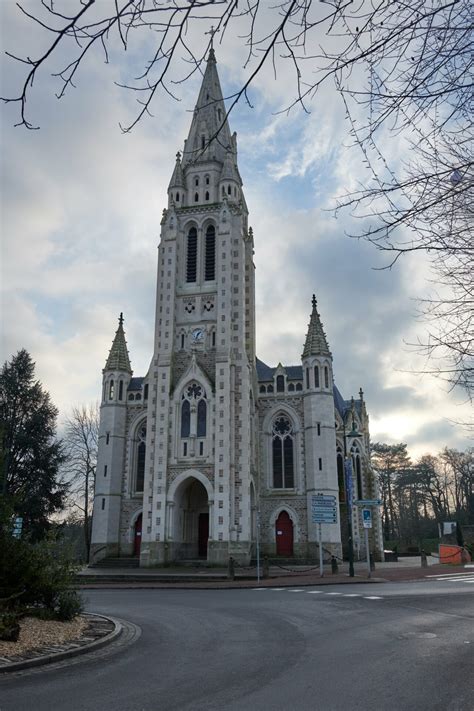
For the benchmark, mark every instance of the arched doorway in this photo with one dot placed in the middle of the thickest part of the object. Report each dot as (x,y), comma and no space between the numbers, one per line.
(191,523)
(284,535)
(137,535)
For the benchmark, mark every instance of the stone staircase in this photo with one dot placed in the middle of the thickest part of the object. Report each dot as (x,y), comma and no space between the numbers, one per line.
(116,563)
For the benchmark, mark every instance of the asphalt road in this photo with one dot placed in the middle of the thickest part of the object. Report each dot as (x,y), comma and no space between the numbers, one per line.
(318,649)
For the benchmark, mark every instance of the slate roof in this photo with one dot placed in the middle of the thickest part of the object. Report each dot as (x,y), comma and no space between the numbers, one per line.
(266,372)
(316,341)
(136,384)
(118,358)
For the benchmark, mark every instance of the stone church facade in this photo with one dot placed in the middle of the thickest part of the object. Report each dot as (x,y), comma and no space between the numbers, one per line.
(213,448)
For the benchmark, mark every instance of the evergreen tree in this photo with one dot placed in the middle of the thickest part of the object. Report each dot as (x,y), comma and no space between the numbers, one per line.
(31,453)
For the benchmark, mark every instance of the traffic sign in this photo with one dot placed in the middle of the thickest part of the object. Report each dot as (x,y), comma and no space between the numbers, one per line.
(368,502)
(367,518)
(324,508)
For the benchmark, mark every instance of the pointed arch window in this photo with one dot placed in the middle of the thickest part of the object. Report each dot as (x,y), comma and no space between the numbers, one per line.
(326,376)
(185,418)
(280,383)
(191,256)
(357,470)
(340,476)
(210,254)
(201,418)
(140,459)
(177,197)
(120,394)
(283,465)
(111,390)
(316,376)
(193,419)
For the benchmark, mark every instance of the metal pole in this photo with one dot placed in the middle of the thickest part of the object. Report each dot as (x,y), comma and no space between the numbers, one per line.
(321,567)
(366,531)
(258,546)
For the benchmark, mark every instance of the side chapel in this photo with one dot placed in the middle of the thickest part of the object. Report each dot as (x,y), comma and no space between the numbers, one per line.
(213,444)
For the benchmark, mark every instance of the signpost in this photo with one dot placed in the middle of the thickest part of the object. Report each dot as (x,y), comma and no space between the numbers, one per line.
(367,521)
(323,510)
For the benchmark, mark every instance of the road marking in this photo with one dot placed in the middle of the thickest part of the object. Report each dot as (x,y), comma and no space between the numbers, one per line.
(314,592)
(296,590)
(372,597)
(446,575)
(351,594)
(259,588)
(333,593)
(277,589)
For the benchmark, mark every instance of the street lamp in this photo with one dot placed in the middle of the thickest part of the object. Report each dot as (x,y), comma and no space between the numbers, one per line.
(349,485)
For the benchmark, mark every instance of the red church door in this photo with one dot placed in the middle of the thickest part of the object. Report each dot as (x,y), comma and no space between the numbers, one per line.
(137,535)
(203,534)
(284,535)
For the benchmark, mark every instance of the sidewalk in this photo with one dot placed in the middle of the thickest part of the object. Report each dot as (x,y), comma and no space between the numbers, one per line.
(407,569)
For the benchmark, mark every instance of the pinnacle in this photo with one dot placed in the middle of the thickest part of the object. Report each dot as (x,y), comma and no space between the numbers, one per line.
(118,356)
(316,342)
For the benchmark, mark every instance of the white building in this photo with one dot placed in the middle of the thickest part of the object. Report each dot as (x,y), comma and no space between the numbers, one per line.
(212,440)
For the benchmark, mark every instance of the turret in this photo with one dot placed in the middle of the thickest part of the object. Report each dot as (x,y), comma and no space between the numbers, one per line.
(177,186)
(111,450)
(320,433)
(316,358)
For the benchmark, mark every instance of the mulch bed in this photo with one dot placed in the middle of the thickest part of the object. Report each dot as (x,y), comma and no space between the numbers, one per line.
(46,637)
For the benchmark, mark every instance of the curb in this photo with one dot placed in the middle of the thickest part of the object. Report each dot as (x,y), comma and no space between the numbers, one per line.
(65,654)
(156,585)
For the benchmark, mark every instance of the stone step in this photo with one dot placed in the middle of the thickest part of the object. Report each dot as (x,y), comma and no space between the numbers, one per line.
(116,563)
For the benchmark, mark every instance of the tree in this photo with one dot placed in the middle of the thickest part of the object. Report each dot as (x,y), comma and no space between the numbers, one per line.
(81,442)
(31,453)
(389,462)
(404,72)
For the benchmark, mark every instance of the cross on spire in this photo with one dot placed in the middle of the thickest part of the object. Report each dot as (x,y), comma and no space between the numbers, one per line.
(212,32)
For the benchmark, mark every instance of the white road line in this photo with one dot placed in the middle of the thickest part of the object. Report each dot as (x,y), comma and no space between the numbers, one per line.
(277,589)
(314,592)
(446,575)
(457,580)
(296,590)
(333,593)
(259,588)
(351,594)
(372,597)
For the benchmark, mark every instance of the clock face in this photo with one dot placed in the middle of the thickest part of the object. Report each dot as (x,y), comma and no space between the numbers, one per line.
(197,335)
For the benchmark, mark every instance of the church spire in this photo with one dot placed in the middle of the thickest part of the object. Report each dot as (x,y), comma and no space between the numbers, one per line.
(209,135)
(118,356)
(177,179)
(316,342)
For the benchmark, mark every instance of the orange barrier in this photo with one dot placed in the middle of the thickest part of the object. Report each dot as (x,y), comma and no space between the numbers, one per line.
(450,554)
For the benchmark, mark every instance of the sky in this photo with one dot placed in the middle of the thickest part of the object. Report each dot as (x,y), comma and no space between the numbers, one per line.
(80,219)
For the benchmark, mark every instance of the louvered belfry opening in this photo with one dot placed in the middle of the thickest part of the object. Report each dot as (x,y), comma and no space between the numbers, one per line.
(210,260)
(191,257)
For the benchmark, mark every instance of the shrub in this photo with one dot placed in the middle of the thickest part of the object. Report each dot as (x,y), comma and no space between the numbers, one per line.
(36,577)
(68,605)
(9,626)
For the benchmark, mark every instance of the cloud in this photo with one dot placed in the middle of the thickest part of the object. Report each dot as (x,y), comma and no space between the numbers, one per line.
(81,212)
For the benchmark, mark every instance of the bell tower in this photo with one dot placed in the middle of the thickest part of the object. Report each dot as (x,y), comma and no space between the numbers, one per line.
(203,367)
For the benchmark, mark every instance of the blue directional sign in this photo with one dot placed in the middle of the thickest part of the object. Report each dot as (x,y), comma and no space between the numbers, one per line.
(323,508)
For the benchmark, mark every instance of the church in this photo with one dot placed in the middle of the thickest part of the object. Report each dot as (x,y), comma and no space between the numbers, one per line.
(213,451)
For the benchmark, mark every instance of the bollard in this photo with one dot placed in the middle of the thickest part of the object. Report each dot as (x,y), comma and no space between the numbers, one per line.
(265,568)
(372,562)
(231,570)
(334,567)
(424,561)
